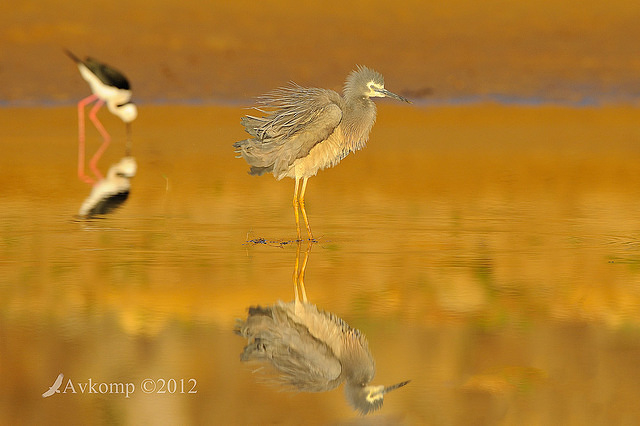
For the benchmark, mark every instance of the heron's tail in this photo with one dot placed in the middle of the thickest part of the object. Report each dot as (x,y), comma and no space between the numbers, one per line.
(252,125)
(260,156)
(261,333)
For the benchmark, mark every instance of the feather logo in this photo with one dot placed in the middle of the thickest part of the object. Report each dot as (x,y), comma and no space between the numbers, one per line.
(55,388)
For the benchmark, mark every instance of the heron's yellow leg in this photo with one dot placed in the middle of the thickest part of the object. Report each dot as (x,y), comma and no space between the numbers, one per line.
(295,276)
(303,269)
(304,212)
(295,206)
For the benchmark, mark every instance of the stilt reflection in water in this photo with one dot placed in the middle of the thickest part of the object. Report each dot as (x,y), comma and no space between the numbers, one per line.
(310,349)
(111,192)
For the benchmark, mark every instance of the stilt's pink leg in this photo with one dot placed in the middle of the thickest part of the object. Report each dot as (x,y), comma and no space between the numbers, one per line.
(106,139)
(81,138)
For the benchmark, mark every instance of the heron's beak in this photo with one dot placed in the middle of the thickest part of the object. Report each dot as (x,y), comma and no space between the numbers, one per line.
(388,389)
(388,94)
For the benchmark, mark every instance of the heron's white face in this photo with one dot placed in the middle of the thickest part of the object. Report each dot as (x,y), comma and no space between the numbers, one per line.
(376,90)
(374,394)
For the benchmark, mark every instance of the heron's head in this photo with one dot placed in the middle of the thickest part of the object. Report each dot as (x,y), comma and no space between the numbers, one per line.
(366,82)
(366,398)
(127,111)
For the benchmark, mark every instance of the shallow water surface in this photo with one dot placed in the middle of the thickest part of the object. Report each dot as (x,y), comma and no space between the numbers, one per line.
(490,255)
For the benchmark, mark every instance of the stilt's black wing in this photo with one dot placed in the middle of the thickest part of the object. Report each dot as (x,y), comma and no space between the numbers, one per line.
(108,75)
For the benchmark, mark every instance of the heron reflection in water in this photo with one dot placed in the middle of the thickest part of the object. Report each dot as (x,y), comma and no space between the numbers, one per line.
(112,191)
(310,349)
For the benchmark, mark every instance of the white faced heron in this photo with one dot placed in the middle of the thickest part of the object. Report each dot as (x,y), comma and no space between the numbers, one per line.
(307,129)
(312,350)
(110,86)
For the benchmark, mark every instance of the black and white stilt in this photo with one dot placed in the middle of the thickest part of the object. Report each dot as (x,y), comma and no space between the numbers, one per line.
(108,86)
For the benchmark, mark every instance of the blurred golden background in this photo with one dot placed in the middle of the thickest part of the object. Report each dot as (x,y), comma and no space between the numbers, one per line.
(201,50)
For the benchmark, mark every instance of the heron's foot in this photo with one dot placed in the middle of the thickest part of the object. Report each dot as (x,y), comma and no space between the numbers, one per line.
(310,239)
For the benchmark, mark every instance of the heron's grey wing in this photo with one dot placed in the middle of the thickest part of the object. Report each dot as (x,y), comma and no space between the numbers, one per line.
(327,327)
(302,361)
(305,362)
(289,110)
(318,128)
(299,119)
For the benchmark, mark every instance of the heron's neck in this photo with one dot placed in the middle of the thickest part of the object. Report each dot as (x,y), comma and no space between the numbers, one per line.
(357,363)
(358,119)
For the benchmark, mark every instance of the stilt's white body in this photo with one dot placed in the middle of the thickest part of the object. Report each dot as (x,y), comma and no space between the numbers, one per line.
(111,95)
